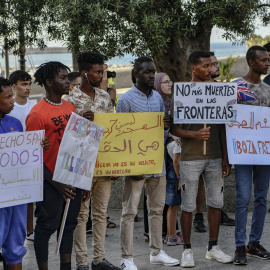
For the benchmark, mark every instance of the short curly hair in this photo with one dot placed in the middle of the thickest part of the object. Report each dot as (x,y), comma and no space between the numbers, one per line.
(87,59)
(267,46)
(19,75)
(251,52)
(4,82)
(138,62)
(194,57)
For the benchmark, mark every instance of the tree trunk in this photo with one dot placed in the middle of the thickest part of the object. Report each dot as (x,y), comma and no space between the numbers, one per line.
(75,42)
(75,61)
(22,47)
(175,61)
(6,59)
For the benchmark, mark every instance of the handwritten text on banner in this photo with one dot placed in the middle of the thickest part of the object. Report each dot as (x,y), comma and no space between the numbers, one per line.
(133,144)
(248,139)
(21,168)
(205,102)
(78,152)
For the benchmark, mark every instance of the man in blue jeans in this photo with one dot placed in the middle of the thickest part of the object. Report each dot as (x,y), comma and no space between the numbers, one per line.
(258,61)
(267,78)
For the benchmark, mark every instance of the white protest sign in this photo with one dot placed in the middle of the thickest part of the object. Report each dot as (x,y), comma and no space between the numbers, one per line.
(248,139)
(205,102)
(78,152)
(21,168)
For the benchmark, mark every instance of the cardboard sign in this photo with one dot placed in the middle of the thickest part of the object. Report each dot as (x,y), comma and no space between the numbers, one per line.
(248,139)
(21,168)
(133,144)
(205,102)
(77,155)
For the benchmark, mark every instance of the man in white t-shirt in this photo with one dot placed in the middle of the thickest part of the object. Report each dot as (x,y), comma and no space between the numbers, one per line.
(21,85)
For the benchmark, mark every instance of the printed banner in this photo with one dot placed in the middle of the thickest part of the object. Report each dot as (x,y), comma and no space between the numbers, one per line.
(133,144)
(21,168)
(77,155)
(248,139)
(205,102)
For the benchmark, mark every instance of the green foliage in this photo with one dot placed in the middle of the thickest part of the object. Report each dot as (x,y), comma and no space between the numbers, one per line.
(225,69)
(116,27)
(257,40)
(167,30)
(21,16)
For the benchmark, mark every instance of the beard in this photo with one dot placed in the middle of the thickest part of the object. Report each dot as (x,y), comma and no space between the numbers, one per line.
(213,76)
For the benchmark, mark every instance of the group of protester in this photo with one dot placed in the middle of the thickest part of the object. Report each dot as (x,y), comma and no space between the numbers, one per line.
(182,186)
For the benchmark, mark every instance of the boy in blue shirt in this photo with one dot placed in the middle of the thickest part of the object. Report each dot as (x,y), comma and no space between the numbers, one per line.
(13,218)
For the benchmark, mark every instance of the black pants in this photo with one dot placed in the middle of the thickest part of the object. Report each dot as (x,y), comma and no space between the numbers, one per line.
(49,217)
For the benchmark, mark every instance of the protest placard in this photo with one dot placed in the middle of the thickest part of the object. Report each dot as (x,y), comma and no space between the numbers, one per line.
(205,102)
(248,139)
(21,168)
(133,144)
(77,155)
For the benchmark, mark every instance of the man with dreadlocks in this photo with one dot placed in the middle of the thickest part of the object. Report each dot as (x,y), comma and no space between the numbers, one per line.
(52,114)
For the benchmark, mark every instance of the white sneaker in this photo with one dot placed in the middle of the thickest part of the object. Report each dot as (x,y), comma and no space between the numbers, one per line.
(128,264)
(30,237)
(217,254)
(187,258)
(164,259)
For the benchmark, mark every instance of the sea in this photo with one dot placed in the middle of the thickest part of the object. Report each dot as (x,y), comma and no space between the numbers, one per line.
(221,49)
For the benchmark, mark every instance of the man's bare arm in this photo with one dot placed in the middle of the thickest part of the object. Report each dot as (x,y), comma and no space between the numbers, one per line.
(201,134)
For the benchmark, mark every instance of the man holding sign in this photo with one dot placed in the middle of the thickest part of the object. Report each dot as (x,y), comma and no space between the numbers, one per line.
(252,91)
(89,99)
(52,115)
(213,165)
(13,218)
(142,98)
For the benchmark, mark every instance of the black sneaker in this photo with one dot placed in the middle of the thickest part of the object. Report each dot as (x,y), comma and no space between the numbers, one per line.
(82,267)
(89,229)
(225,220)
(257,250)
(240,255)
(104,265)
(198,225)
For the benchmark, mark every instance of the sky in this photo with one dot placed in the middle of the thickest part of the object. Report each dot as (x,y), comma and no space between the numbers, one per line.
(216,35)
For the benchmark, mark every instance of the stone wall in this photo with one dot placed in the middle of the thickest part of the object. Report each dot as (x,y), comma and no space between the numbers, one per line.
(229,194)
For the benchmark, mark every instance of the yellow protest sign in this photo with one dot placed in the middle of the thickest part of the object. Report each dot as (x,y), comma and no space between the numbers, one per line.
(132,144)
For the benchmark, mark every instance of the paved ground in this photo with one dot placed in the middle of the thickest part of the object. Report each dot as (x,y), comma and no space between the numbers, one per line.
(141,250)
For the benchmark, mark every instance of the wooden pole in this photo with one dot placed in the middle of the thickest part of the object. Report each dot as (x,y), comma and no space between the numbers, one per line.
(204,143)
(62,226)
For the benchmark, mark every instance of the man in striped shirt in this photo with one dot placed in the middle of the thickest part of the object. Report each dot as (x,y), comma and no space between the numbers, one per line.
(142,98)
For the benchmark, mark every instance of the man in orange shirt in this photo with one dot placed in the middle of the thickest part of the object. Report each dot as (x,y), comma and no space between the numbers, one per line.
(52,114)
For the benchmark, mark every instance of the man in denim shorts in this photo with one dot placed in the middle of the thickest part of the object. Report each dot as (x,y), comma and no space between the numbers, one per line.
(213,167)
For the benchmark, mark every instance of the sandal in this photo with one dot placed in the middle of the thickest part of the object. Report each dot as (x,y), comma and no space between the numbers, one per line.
(110,224)
(146,237)
(136,219)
